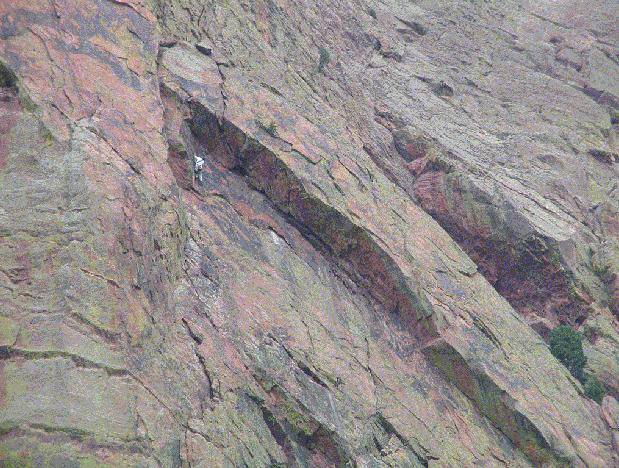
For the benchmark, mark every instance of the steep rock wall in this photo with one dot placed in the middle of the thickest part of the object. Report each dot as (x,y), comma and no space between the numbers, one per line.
(295,306)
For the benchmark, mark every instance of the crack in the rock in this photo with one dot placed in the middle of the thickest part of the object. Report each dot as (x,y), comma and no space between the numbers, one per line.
(214,394)
(9,352)
(98,275)
(197,337)
(390,429)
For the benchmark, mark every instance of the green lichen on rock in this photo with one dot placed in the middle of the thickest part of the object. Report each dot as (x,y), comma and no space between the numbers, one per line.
(299,422)
(8,331)
(594,389)
(493,402)
(27,103)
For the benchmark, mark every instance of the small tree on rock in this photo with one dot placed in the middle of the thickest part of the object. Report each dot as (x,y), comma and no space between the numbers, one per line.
(566,346)
(325,58)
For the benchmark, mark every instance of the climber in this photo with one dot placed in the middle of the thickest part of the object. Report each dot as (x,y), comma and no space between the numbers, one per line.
(198,162)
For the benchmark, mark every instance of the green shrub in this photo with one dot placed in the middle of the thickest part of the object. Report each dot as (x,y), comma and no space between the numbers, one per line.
(594,389)
(566,346)
(325,58)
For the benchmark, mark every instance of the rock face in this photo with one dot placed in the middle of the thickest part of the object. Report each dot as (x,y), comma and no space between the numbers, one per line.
(398,201)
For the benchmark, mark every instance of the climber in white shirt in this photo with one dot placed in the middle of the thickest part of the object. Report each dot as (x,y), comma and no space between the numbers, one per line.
(198,162)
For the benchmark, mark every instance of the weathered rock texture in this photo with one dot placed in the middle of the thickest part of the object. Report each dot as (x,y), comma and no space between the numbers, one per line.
(366,270)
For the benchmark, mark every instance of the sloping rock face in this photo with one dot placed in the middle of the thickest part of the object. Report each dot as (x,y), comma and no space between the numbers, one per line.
(391,195)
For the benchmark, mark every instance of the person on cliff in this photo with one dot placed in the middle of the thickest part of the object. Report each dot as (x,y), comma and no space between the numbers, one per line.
(198,162)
